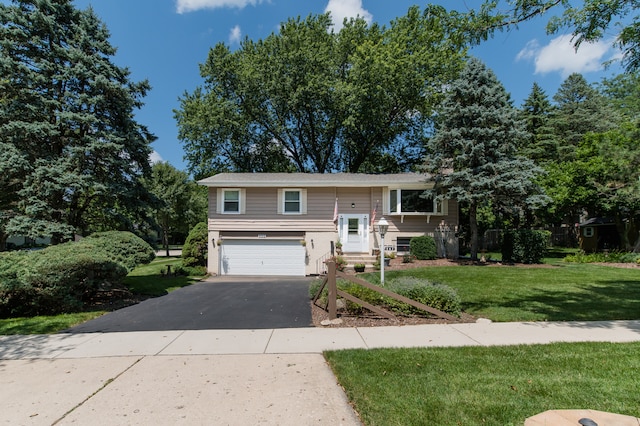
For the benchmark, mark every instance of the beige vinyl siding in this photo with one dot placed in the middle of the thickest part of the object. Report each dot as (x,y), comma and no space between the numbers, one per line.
(261,211)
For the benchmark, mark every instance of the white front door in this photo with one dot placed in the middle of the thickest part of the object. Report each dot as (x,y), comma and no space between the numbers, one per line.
(354,233)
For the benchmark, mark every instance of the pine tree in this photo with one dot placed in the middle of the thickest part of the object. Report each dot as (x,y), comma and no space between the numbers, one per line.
(68,112)
(541,145)
(473,154)
(580,109)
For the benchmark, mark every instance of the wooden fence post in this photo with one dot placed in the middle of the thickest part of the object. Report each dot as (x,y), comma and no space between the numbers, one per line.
(333,289)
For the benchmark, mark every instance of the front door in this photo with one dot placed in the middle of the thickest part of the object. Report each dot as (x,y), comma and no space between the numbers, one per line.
(354,233)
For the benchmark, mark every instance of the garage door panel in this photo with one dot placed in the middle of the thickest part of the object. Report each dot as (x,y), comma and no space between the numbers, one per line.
(262,257)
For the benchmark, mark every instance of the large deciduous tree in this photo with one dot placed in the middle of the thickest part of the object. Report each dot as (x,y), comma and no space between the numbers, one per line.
(67,114)
(473,154)
(182,204)
(311,100)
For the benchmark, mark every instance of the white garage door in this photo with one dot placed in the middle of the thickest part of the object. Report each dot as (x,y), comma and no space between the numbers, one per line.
(262,257)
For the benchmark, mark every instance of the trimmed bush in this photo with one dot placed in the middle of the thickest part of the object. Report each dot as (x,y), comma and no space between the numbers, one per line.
(524,245)
(194,251)
(123,247)
(423,248)
(56,280)
(60,278)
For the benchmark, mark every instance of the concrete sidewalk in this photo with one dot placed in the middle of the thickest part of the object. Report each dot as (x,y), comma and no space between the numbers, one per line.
(271,376)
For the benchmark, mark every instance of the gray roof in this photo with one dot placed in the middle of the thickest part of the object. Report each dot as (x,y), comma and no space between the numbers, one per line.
(312,179)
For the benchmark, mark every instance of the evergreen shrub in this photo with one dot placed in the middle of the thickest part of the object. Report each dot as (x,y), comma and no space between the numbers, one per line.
(524,245)
(123,247)
(423,247)
(194,251)
(63,277)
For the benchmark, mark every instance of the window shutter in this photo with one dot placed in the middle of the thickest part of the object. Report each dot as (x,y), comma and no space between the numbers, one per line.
(243,201)
(280,200)
(219,201)
(303,201)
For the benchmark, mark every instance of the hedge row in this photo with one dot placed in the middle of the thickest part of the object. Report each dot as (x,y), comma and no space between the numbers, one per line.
(61,278)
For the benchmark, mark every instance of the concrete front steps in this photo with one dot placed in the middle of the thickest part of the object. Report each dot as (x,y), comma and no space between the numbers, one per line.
(353,258)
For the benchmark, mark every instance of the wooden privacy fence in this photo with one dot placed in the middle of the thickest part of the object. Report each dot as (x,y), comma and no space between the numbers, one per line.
(331,307)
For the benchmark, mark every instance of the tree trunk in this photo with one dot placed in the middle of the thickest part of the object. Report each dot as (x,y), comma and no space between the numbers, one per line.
(165,239)
(473,229)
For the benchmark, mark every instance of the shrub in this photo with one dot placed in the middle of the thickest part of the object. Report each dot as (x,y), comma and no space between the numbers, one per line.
(57,279)
(194,251)
(435,295)
(524,245)
(438,296)
(602,257)
(423,248)
(123,247)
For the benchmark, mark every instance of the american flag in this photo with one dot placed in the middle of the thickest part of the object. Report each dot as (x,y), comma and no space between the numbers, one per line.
(335,212)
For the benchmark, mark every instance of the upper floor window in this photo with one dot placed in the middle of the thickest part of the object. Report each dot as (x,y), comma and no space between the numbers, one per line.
(231,201)
(403,201)
(292,201)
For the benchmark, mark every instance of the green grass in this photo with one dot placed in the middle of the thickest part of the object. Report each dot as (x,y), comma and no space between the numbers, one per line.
(487,385)
(568,292)
(45,324)
(147,279)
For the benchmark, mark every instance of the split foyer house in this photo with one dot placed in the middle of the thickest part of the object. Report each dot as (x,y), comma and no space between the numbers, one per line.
(290,223)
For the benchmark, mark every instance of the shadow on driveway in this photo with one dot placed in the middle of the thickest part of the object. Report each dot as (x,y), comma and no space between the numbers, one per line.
(217,303)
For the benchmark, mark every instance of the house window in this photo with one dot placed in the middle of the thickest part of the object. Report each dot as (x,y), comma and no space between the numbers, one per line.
(402,244)
(292,201)
(588,231)
(403,201)
(231,201)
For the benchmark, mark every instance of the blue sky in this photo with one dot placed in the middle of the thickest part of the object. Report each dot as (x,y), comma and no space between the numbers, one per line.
(164,41)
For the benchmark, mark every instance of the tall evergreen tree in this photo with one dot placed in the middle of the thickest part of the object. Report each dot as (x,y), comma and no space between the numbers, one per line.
(541,145)
(67,110)
(579,109)
(473,154)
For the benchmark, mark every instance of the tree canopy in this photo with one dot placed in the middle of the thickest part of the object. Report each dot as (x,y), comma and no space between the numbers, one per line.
(311,100)
(181,205)
(74,152)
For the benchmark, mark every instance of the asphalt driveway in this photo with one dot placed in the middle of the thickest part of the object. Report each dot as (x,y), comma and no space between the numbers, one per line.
(218,303)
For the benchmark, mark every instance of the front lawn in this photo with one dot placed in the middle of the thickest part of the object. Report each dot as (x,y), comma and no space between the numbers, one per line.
(487,385)
(567,292)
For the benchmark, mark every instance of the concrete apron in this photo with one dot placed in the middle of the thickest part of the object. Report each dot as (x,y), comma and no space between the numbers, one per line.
(291,389)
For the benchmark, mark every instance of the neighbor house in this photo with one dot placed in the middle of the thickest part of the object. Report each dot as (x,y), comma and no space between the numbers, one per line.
(290,223)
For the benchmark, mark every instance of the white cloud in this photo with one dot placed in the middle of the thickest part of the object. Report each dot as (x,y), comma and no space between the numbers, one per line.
(341,9)
(184,6)
(235,34)
(560,56)
(155,157)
